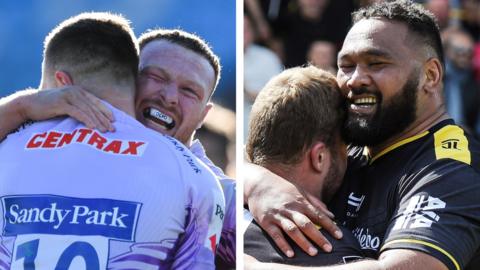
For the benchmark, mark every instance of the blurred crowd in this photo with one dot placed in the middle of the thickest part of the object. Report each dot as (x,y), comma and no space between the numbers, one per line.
(280,34)
(217,135)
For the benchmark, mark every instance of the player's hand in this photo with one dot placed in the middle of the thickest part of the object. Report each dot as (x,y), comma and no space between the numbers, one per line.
(277,205)
(72,101)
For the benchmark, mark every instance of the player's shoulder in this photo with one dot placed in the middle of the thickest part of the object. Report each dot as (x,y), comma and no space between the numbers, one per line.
(443,175)
(446,149)
(454,153)
(161,147)
(450,141)
(29,129)
(189,160)
(22,127)
(229,187)
(450,160)
(200,179)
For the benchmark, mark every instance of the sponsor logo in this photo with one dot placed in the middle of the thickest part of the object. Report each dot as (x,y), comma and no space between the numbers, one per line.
(49,214)
(219,212)
(355,201)
(89,137)
(179,147)
(366,240)
(216,221)
(450,144)
(419,212)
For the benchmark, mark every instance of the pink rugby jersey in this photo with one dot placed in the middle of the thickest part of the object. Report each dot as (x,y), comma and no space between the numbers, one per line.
(75,198)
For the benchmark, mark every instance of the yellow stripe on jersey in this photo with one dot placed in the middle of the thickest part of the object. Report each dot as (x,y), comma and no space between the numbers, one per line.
(450,142)
(420,242)
(398,144)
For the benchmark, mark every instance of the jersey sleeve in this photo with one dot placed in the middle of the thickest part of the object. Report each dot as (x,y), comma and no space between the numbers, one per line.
(226,251)
(205,211)
(438,212)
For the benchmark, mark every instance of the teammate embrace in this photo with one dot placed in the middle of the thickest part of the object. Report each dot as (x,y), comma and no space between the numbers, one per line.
(132,198)
(412,185)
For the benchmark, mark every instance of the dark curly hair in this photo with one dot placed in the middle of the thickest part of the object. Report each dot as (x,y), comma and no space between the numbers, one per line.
(420,22)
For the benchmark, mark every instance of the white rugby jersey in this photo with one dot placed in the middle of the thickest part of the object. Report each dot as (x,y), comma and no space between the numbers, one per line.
(75,198)
(226,250)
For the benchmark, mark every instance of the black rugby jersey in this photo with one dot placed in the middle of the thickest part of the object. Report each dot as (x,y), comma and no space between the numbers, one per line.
(422,193)
(258,244)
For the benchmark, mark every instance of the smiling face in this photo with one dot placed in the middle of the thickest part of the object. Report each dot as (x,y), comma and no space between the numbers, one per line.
(379,73)
(173,89)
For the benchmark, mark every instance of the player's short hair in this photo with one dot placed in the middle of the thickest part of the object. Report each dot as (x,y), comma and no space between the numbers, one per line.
(90,43)
(188,41)
(420,22)
(296,108)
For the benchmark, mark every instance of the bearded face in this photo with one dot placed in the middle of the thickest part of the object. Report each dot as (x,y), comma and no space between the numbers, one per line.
(384,118)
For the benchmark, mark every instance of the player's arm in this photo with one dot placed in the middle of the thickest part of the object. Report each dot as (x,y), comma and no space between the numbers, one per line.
(11,114)
(205,211)
(37,105)
(277,205)
(438,212)
(226,250)
(435,224)
(398,259)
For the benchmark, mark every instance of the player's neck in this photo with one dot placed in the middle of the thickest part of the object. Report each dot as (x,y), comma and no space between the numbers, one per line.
(120,94)
(417,127)
(119,97)
(124,104)
(300,176)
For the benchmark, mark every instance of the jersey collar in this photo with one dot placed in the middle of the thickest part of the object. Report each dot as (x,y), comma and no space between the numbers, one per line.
(407,140)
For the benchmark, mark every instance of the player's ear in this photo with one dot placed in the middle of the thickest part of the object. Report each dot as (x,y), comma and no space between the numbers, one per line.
(433,73)
(207,108)
(62,78)
(320,157)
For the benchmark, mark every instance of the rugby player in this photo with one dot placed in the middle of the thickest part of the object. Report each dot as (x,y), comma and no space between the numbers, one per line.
(174,88)
(73,198)
(311,156)
(412,186)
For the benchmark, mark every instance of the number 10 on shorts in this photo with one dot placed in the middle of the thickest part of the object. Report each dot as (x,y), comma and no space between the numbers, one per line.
(59,252)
